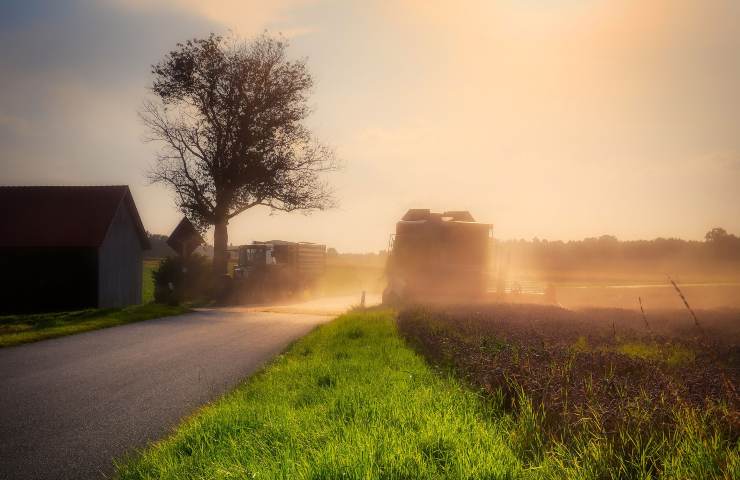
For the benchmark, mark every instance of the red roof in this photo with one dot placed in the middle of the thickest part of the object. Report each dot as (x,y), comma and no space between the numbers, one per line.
(68,216)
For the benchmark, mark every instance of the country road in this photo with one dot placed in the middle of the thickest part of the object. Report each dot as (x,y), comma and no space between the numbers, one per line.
(71,405)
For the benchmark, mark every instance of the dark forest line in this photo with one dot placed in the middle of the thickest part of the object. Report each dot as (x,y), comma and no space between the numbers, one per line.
(717,256)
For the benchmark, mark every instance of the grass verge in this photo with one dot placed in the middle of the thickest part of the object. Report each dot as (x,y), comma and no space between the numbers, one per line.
(17,329)
(349,400)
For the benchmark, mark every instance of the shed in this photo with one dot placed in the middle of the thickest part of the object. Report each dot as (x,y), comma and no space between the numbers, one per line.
(69,247)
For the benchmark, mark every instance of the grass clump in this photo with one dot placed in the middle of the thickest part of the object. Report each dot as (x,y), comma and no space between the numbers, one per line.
(147,284)
(18,329)
(671,354)
(350,400)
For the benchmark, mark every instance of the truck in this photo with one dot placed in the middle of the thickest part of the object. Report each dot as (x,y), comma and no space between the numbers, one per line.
(438,257)
(277,270)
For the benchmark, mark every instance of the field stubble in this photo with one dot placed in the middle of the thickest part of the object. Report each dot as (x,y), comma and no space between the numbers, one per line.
(600,391)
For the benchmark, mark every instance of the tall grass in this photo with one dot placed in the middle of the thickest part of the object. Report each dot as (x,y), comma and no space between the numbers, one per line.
(348,401)
(686,304)
(644,317)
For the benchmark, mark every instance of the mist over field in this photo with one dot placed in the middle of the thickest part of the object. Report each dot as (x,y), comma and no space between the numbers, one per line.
(607,272)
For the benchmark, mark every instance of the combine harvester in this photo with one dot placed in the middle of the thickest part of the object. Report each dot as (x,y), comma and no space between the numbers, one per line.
(438,257)
(277,270)
(445,258)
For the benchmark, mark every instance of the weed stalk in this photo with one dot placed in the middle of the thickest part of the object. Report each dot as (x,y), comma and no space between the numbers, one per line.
(644,317)
(688,307)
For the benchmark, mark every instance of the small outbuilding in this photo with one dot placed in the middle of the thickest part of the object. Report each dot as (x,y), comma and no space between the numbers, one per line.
(70,247)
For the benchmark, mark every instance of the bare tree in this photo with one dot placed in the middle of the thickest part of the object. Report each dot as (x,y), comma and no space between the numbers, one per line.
(229,116)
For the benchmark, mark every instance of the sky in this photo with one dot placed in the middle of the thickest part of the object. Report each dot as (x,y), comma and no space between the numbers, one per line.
(556,119)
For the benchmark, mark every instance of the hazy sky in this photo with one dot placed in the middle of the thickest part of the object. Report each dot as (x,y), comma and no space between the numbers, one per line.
(560,119)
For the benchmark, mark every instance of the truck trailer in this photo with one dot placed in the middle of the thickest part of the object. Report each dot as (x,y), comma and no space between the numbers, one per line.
(276,269)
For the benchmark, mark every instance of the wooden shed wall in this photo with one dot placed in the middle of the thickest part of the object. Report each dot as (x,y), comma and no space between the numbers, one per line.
(120,260)
(47,279)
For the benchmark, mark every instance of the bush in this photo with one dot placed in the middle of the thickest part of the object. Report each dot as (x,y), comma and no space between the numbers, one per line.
(177,280)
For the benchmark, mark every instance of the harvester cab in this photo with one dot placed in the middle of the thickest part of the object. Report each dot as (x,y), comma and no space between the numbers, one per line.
(438,257)
(252,258)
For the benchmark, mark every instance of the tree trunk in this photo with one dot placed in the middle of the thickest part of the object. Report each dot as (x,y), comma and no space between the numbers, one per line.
(220,248)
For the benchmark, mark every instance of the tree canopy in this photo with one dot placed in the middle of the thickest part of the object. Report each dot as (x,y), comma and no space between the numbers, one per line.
(229,116)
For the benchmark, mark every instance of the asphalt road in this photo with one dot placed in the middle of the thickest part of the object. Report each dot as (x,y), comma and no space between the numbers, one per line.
(71,405)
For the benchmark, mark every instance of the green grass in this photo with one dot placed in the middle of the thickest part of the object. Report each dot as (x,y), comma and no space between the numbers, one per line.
(17,329)
(671,354)
(350,400)
(147,286)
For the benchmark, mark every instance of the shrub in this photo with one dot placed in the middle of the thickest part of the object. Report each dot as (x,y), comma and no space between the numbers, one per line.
(177,280)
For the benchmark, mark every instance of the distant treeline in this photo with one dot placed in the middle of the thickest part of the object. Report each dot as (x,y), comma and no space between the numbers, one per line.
(373,260)
(719,253)
(160,249)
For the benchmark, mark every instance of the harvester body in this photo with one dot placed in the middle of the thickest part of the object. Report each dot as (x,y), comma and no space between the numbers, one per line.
(438,256)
